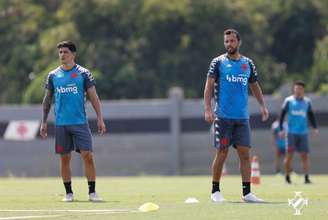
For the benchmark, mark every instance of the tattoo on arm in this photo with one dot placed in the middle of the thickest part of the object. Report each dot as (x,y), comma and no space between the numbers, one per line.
(47,101)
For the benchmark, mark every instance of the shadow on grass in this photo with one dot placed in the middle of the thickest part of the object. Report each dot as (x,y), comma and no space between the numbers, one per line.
(87,201)
(264,203)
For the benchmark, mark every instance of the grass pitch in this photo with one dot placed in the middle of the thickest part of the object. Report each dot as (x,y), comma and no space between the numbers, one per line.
(40,198)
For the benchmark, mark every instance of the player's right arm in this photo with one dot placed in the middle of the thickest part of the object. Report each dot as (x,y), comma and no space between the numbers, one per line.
(282,117)
(312,120)
(212,75)
(208,93)
(46,106)
(273,135)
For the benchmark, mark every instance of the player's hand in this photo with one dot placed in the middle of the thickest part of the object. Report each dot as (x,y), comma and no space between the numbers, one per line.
(101,127)
(282,134)
(209,116)
(264,112)
(315,132)
(43,130)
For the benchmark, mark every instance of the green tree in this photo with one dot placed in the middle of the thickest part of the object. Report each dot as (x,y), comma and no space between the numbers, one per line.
(295,27)
(141,48)
(319,71)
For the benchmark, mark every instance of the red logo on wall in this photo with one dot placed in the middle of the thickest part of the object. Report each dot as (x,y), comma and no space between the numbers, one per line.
(74,75)
(244,67)
(22,129)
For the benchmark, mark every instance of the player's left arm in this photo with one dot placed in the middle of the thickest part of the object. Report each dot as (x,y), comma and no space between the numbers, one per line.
(257,91)
(312,119)
(96,104)
(89,85)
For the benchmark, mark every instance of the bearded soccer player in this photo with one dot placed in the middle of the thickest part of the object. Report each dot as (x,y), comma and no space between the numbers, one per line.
(229,76)
(299,110)
(67,85)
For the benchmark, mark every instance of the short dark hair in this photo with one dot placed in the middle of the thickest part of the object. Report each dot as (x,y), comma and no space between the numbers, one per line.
(299,83)
(69,44)
(232,31)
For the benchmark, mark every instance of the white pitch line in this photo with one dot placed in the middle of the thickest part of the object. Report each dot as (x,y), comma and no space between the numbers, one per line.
(68,210)
(87,212)
(30,217)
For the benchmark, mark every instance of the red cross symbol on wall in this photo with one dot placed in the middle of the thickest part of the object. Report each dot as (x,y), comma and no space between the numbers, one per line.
(21,129)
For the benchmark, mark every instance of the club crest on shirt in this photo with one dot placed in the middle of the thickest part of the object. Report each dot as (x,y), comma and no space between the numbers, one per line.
(74,75)
(244,67)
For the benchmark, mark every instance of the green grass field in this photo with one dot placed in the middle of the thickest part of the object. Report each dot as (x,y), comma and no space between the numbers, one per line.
(40,198)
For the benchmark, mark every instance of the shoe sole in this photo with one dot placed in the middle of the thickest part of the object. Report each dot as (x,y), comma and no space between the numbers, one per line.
(217,201)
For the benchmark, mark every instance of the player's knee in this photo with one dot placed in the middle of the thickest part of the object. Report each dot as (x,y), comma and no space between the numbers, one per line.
(304,157)
(223,151)
(244,158)
(87,157)
(65,160)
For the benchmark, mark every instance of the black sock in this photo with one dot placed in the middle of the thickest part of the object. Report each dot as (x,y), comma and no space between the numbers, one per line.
(92,186)
(246,188)
(288,179)
(68,187)
(306,176)
(215,186)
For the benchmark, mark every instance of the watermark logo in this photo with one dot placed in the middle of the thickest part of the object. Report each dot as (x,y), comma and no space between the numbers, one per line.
(298,203)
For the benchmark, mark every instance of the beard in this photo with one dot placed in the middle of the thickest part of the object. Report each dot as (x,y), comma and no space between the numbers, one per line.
(231,50)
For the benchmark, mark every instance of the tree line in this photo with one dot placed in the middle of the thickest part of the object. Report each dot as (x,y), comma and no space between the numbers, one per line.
(141,48)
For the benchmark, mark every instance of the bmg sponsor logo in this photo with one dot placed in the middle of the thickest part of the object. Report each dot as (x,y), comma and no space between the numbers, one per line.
(237,79)
(298,113)
(68,89)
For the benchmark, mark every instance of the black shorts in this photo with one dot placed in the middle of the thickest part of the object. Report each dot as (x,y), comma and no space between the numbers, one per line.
(298,143)
(73,137)
(231,132)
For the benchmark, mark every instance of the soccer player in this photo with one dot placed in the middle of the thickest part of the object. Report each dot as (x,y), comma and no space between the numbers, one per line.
(279,143)
(230,75)
(299,111)
(67,85)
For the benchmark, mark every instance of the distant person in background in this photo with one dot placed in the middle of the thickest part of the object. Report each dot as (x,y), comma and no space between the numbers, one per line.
(67,85)
(299,110)
(278,143)
(229,76)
